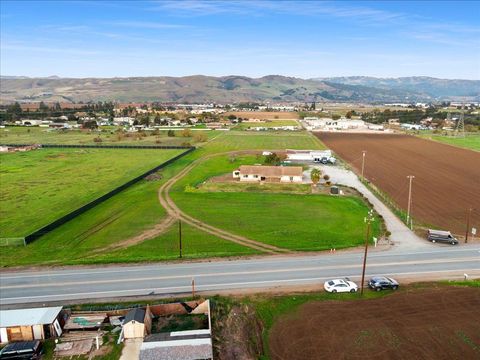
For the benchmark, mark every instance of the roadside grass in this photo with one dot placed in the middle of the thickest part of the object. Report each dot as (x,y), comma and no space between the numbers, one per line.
(470,141)
(40,186)
(256,188)
(468,283)
(107,134)
(195,244)
(296,222)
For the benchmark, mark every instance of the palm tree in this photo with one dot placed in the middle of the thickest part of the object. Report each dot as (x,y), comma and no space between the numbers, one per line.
(315,176)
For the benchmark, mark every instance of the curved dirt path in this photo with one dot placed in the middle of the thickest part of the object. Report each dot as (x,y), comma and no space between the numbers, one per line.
(175,212)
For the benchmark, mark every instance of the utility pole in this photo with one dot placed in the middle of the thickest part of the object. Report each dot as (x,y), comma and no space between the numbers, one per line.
(180,236)
(410,177)
(469,214)
(368,220)
(363,162)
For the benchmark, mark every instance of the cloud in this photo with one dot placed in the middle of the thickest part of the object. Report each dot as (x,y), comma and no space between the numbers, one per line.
(257,8)
(146,25)
(44,49)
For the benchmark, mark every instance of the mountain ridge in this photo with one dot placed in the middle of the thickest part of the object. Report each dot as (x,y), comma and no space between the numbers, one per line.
(234,89)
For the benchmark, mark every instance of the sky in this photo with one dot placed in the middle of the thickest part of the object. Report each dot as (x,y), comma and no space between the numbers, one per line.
(305,39)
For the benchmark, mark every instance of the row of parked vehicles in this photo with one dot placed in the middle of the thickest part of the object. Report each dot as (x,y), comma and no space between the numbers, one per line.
(376,283)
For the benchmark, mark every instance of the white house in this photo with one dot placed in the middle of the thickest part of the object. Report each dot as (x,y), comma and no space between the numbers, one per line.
(259,173)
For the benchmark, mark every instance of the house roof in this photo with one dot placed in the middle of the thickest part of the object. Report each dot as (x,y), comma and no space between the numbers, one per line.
(135,314)
(27,317)
(271,171)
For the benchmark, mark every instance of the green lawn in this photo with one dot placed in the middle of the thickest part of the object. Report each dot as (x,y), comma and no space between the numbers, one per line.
(297,222)
(137,209)
(469,142)
(40,186)
(269,124)
(246,140)
(108,135)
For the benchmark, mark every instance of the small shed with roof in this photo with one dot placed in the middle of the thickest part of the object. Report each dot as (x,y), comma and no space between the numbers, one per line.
(137,323)
(31,324)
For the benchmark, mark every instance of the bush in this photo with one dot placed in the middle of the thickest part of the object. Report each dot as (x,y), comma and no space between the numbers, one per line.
(171,133)
(97,139)
(186,133)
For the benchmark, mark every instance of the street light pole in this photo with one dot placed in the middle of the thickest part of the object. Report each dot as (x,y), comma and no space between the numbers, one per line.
(363,162)
(410,177)
(368,220)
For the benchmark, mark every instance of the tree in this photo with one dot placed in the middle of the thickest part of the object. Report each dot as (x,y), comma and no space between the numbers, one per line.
(90,124)
(171,133)
(335,116)
(315,176)
(273,159)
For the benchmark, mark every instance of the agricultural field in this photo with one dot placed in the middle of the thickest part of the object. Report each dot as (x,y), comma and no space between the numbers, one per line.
(106,135)
(267,124)
(411,323)
(471,141)
(41,185)
(89,238)
(446,178)
(263,115)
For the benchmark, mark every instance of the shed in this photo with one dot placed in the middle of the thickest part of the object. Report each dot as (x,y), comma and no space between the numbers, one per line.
(137,323)
(30,324)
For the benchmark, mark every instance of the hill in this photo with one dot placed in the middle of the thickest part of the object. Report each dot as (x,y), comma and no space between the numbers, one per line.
(422,85)
(190,89)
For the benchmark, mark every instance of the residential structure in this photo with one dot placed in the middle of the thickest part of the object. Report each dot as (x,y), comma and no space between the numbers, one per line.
(31,324)
(259,173)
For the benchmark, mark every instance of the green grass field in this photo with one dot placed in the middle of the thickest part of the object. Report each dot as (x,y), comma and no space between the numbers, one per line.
(137,209)
(469,142)
(40,186)
(108,136)
(292,221)
(268,124)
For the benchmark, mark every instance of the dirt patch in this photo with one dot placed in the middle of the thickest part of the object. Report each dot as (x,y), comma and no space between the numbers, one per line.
(446,178)
(441,323)
(237,333)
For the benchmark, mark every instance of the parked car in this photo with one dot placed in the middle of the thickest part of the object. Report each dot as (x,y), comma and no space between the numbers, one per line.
(340,285)
(382,282)
(441,236)
(23,350)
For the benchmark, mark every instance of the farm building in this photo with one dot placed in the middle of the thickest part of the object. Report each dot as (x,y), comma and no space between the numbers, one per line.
(258,173)
(308,155)
(31,324)
(137,323)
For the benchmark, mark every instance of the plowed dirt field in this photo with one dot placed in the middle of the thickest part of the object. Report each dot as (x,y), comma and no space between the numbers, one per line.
(441,323)
(447,179)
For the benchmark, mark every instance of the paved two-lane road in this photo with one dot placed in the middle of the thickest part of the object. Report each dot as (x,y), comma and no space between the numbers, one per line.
(43,286)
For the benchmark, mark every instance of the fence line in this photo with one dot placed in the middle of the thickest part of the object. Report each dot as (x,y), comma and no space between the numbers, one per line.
(55,224)
(162,147)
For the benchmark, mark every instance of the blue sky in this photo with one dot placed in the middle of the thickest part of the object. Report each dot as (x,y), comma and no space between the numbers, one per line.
(251,38)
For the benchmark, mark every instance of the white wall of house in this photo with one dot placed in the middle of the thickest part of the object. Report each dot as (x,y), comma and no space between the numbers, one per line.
(291,179)
(249,177)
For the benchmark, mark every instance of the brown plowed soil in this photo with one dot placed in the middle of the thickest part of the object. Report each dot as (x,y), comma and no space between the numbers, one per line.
(447,179)
(436,324)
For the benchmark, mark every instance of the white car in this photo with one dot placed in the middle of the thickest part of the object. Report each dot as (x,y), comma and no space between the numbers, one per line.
(340,285)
